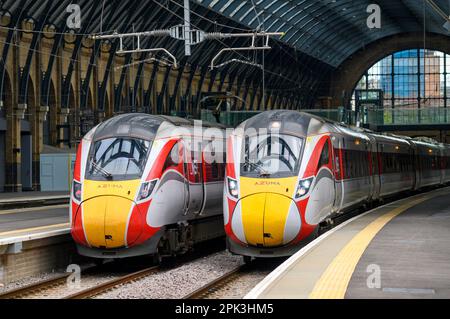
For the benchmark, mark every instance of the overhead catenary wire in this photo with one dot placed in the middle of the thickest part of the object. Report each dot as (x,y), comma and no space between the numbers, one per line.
(60,56)
(101,17)
(53,32)
(220,41)
(248,30)
(438,10)
(257,16)
(209,20)
(73,33)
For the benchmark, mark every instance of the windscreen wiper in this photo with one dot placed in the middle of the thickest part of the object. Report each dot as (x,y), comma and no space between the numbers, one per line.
(262,171)
(105,173)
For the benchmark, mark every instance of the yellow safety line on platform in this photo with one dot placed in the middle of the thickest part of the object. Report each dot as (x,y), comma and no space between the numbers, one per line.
(334,281)
(19,231)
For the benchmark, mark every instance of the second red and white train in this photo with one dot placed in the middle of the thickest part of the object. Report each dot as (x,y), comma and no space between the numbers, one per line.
(288,172)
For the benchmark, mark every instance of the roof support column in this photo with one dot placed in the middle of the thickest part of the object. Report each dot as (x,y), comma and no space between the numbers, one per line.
(203,72)
(163,100)
(188,92)
(176,90)
(15,113)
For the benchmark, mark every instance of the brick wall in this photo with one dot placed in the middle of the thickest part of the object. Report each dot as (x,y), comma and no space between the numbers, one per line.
(38,256)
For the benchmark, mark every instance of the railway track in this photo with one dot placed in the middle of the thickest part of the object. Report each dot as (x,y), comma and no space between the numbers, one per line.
(218,283)
(113,284)
(31,289)
(39,287)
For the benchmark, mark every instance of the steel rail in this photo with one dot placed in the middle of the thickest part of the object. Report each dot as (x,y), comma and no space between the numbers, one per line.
(217,284)
(99,289)
(36,287)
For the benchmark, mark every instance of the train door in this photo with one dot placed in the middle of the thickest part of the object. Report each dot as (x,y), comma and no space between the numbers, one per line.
(194,178)
(213,176)
(375,178)
(381,168)
(324,193)
(416,166)
(441,164)
(338,174)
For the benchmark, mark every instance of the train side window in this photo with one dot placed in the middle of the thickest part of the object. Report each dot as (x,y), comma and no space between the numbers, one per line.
(212,168)
(344,164)
(348,155)
(337,164)
(351,160)
(325,156)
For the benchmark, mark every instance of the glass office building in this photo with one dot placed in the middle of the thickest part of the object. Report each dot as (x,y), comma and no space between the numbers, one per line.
(411,79)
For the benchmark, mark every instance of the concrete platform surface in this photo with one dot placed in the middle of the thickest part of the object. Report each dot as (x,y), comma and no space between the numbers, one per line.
(399,250)
(25,221)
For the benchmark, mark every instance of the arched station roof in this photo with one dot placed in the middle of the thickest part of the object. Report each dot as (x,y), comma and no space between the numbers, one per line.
(333,30)
(287,69)
(319,34)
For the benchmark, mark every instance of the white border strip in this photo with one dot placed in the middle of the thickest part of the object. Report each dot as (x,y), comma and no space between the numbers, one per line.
(269,280)
(28,237)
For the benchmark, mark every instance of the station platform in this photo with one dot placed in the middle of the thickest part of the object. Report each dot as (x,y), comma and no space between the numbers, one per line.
(32,199)
(34,240)
(399,250)
(29,223)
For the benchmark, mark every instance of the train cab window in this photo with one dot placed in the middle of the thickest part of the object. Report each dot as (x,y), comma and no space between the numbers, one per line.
(324,156)
(272,155)
(118,158)
(173,159)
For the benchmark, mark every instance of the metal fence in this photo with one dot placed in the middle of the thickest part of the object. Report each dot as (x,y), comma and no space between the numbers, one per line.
(370,117)
(234,118)
(407,116)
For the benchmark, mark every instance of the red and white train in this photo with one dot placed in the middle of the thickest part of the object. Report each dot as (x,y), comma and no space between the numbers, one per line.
(142,186)
(288,172)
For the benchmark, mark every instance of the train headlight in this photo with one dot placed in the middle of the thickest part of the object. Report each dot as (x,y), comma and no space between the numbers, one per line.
(233,187)
(76,190)
(146,189)
(303,187)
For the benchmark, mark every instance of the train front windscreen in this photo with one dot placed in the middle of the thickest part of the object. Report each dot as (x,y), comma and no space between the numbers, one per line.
(118,158)
(271,156)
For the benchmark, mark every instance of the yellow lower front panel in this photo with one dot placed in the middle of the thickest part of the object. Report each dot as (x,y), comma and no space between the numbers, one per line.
(116,218)
(94,221)
(106,208)
(253,218)
(105,220)
(265,208)
(275,216)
